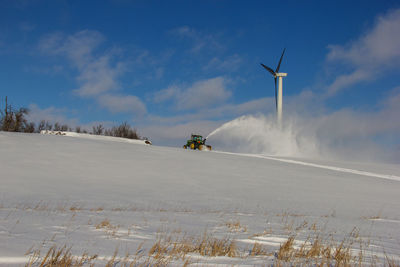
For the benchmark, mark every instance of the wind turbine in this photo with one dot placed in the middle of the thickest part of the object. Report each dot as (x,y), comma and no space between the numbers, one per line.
(278,93)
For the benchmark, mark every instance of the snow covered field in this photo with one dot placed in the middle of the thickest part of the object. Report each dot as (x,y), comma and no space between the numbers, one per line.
(99,196)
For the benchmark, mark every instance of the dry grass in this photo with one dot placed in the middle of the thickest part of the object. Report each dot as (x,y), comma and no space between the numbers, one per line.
(315,249)
(236,226)
(60,257)
(109,228)
(176,247)
(105,224)
(391,262)
(265,232)
(179,247)
(259,250)
(320,252)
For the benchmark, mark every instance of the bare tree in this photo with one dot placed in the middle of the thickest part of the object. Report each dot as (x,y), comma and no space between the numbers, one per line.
(49,126)
(41,126)
(20,122)
(64,127)
(30,127)
(98,130)
(13,120)
(124,130)
(57,127)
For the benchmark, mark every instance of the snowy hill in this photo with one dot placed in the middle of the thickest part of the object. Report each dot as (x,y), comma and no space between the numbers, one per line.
(97,196)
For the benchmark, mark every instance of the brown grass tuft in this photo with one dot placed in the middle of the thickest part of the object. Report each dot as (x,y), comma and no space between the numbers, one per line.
(236,226)
(180,246)
(105,224)
(258,250)
(60,257)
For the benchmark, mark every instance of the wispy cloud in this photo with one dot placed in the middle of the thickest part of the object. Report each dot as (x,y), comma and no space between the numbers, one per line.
(369,55)
(201,94)
(199,41)
(220,112)
(26,26)
(99,72)
(123,103)
(51,114)
(97,75)
(228,64)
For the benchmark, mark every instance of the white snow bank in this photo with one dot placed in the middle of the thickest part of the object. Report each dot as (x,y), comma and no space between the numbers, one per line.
(97,137)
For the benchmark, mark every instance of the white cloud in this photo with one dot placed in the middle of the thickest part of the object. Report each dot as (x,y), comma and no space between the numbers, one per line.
(123,103)
(201,94)
(371,54)
(230,63)
(78,47)
(50,114)
(346,80)
(98,71)
(166,94)
(204,93)
(97,75)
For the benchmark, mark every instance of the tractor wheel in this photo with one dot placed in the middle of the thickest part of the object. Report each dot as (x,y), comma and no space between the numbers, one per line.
(185,146)
(201,147)
(192,145)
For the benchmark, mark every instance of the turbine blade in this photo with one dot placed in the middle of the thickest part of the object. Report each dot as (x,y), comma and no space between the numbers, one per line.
(268,69)
(276,100)
(280,61)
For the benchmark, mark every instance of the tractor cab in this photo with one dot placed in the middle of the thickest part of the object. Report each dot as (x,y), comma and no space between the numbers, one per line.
(197,138)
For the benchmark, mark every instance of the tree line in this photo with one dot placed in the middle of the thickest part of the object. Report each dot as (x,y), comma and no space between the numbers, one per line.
(15,120)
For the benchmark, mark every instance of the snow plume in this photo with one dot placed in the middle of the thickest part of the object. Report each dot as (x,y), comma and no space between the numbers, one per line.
(261,134)
(343,135)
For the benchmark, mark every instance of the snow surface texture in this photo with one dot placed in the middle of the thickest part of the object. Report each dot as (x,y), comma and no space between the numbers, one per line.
(97,137)
(298,137)
(59,189)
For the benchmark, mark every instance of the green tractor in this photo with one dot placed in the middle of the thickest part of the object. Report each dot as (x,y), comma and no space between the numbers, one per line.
(197,142)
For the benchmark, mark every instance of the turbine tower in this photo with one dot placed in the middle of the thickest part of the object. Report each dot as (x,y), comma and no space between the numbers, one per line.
(278,92)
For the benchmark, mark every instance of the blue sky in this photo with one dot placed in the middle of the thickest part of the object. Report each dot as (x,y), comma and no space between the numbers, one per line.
(174,67)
